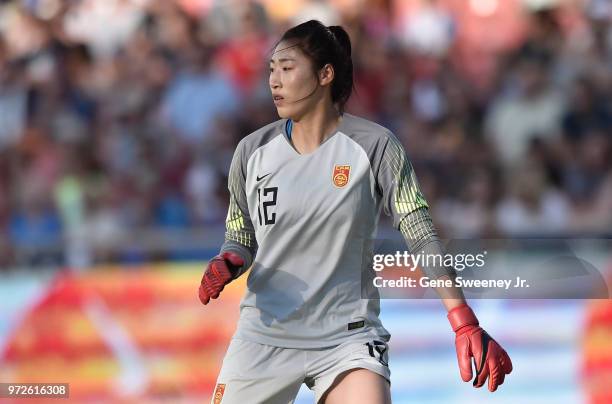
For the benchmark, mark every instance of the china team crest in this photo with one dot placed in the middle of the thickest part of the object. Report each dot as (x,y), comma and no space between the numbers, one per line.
(341,175)
(218,396)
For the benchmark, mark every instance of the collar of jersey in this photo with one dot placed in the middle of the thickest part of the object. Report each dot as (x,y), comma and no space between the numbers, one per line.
(288,127)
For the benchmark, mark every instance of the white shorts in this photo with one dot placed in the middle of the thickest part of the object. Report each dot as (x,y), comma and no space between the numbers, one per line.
(256,373)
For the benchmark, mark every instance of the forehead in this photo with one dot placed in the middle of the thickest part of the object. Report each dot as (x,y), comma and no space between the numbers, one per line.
(286,50)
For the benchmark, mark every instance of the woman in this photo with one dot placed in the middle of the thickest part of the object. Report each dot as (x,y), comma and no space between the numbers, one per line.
(306,193)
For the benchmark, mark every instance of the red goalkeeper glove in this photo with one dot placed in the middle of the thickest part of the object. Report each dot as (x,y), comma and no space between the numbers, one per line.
(471,341)
(219,272)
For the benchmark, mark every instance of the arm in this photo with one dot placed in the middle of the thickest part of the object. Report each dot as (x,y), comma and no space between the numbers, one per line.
(420,235)
(239,233)
(240,246)
(404,202)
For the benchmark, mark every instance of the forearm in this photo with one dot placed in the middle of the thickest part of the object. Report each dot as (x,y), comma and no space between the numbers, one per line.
(451,296)
(421,238)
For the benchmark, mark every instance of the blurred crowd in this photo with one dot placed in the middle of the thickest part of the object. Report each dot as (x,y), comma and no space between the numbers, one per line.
(119,118)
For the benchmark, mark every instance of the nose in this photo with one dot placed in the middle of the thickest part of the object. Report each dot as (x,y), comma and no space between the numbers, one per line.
(273,81)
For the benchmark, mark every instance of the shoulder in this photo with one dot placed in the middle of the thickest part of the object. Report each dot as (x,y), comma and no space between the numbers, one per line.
(355,126)
(262,136)
(371,136)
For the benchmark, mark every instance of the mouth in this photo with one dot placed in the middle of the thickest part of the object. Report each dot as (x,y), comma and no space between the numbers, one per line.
(277,99)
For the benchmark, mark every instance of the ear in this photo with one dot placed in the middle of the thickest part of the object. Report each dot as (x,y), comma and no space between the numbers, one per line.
(326,74)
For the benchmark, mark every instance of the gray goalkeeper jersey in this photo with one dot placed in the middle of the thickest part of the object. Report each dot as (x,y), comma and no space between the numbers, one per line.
(307,222)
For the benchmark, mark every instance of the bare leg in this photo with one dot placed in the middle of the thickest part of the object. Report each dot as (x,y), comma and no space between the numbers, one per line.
(358,386)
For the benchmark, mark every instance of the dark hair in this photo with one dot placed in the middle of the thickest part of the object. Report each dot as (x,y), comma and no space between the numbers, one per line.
(327,45)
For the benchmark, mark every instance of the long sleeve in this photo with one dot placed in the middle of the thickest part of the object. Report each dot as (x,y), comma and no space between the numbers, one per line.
(403,200)
(239,234)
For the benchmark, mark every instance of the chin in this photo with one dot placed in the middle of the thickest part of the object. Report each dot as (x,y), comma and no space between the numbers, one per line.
(283,112)
(291,112)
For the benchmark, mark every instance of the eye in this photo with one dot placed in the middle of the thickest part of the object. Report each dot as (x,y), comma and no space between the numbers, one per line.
(271,69)
(285,69)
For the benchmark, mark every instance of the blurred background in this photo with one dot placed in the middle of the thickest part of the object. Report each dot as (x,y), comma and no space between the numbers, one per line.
(118,121)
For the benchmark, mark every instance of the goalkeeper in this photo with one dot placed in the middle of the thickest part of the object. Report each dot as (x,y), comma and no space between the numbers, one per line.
(306,192)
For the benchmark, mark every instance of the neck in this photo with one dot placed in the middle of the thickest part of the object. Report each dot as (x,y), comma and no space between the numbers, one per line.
(312,129)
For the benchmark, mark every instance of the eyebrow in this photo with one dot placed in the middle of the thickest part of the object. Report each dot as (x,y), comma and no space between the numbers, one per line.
(283,60)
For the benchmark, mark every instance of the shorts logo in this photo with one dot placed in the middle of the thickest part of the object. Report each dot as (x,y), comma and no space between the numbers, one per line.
(219,390)
(341,175)
(356,324)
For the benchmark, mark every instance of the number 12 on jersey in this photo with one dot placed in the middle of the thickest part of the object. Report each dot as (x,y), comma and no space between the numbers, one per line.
(265,204)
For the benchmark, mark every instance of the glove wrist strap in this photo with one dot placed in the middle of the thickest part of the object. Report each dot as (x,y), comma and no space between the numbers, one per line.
(228,257)
(461,316)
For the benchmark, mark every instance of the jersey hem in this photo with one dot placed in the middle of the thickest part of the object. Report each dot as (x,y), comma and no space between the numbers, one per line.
(365,335)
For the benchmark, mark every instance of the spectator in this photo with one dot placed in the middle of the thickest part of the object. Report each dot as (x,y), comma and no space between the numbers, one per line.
(197,96)
(118,119)
(532,207)
(530,105)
